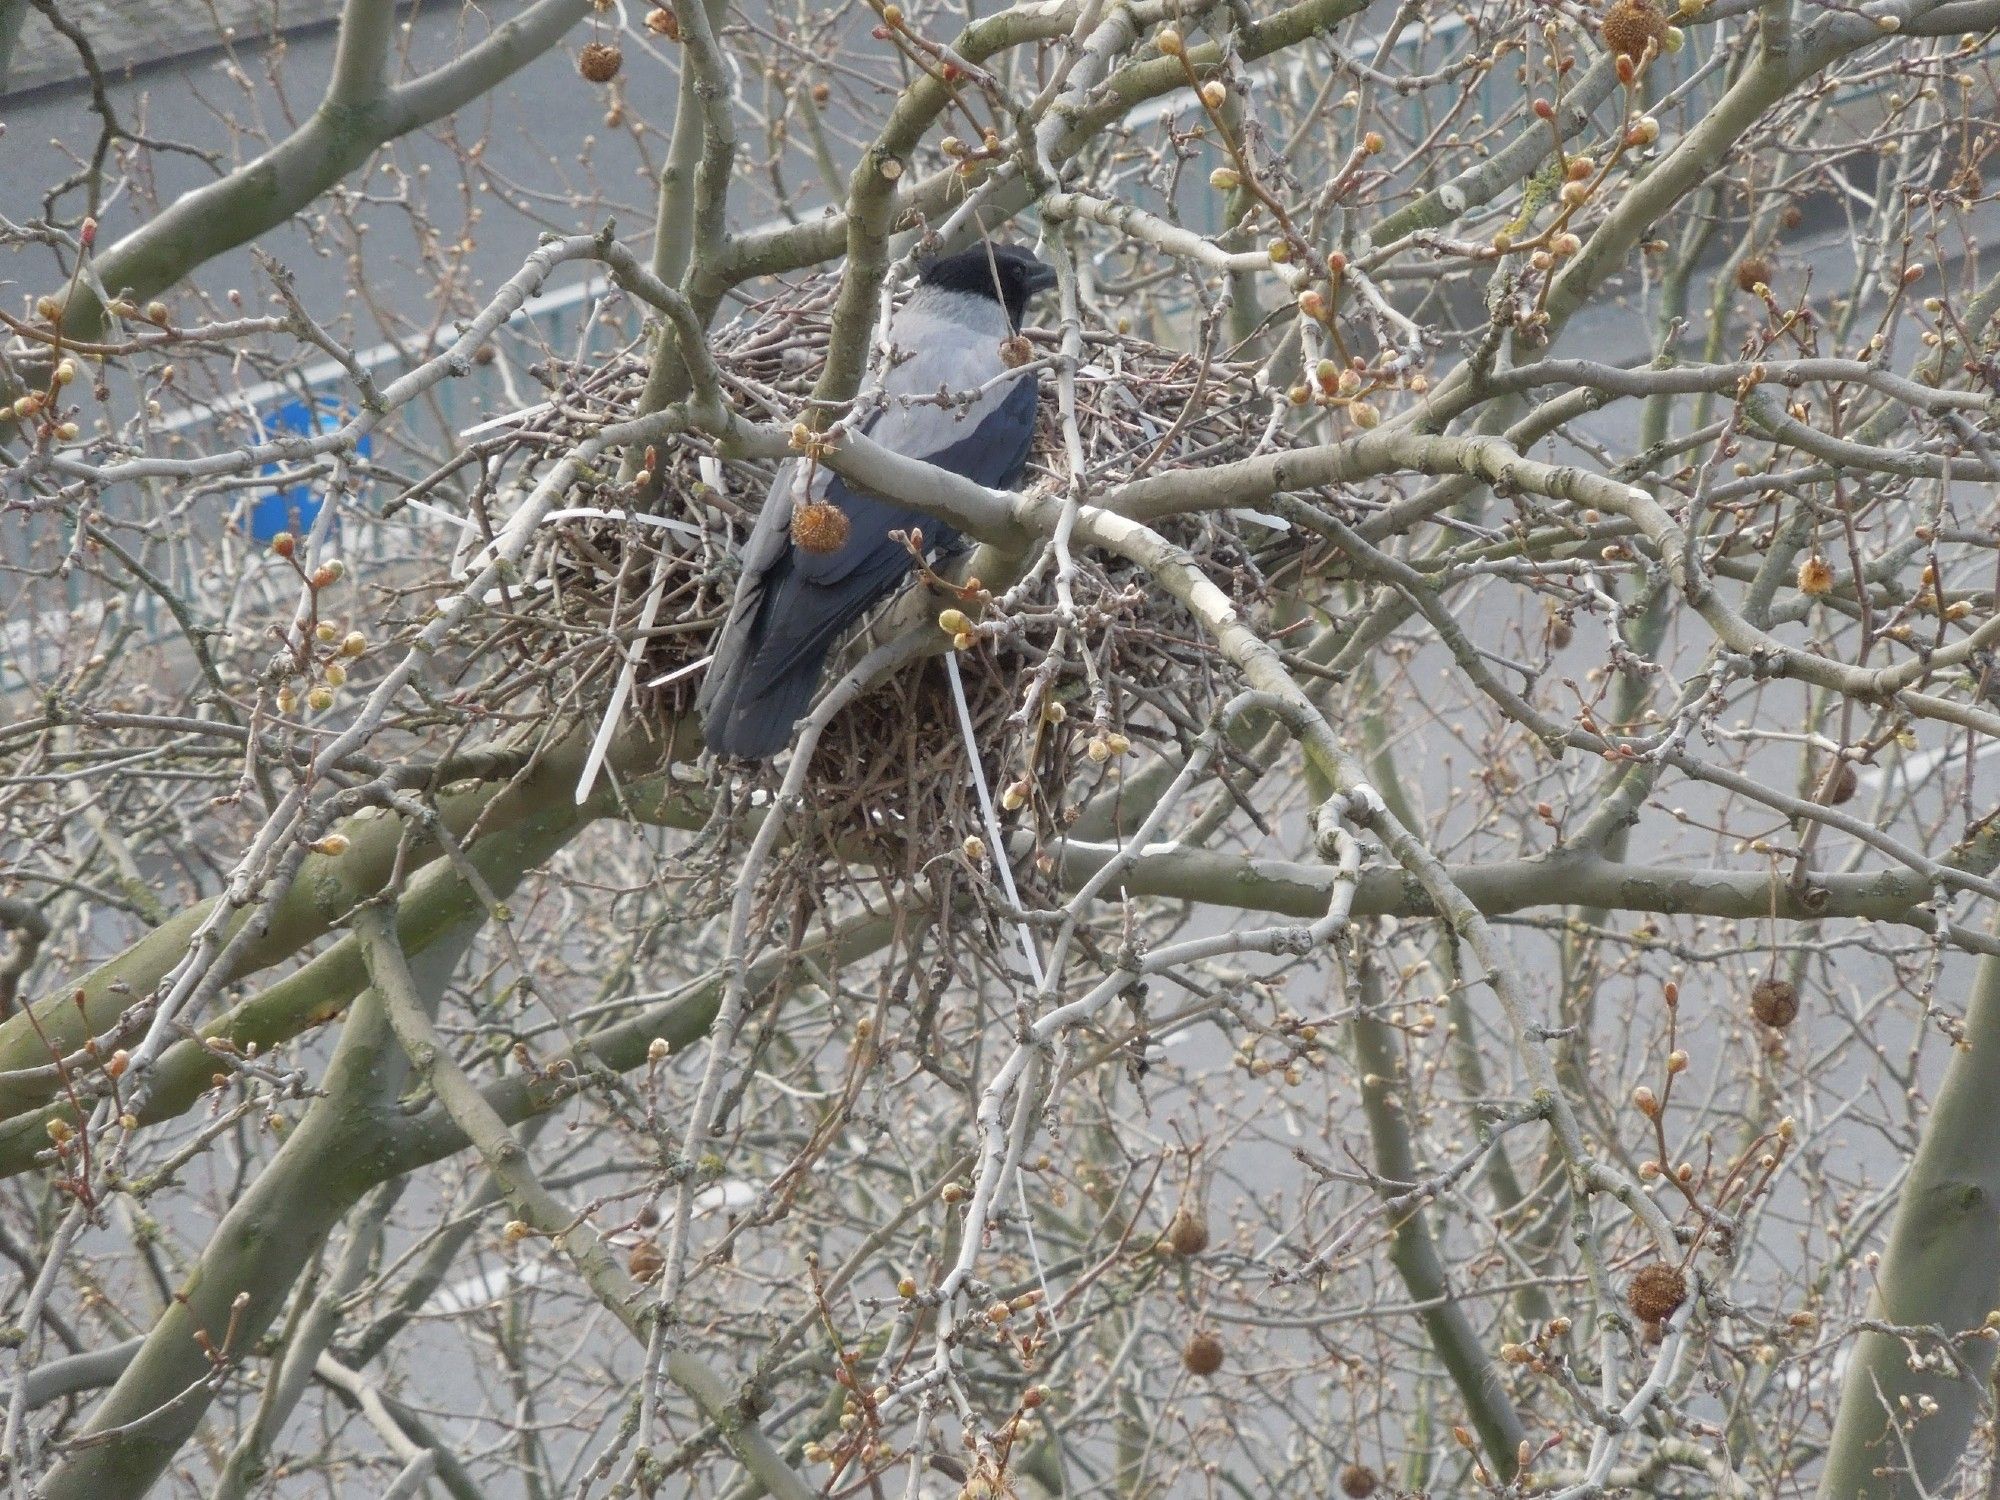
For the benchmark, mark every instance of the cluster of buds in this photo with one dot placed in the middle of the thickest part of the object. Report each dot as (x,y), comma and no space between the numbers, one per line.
(1643,131)
(1682,1173)
(810,441)
(1348,386)
(958,625)
(973,159)
(54,424)
(1543,1351)
(328,655)
(858,1439)
(124,307)
(1000,1313)
(1301,1053)
(1336,381)
(1105,747)
(1561,245)
(47,405)
(1577,185)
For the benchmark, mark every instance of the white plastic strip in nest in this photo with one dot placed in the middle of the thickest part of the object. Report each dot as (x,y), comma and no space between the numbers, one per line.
(644,518)
(679,672)
(437,511)
(1276,523)
(506,419)
(613,710)
(998,847)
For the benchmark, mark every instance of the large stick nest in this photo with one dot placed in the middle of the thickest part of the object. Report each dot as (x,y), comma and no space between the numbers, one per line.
(890,770)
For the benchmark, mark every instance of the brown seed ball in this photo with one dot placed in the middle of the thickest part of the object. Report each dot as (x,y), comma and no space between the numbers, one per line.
(1203,1354)
(1358,1481)
(1630,24)
(1775,1002)
(1752,272)
(1188,1234)
(1792,217)
(820,527)
(600,62)
(1843,784)
(645,1261)
(1656,1291)
(1015,352)
(1815,577)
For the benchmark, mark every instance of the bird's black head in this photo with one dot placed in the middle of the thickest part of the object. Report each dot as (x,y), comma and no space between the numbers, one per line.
(1007,274)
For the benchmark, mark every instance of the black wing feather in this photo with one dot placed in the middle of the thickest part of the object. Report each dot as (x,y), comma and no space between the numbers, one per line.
(806,600)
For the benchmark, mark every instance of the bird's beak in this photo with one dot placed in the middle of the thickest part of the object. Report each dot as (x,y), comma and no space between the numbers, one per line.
(1041,278)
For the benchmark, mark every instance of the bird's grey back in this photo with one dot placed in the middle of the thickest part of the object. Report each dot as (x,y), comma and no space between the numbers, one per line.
(943,341)
(929,335)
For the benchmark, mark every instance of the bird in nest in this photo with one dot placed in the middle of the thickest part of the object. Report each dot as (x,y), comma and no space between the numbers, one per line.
(823,553)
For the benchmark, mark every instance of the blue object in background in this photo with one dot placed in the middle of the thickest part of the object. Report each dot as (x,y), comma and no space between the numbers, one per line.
(295,509)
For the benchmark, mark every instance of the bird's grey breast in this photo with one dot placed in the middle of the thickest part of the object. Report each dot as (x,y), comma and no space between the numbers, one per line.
(947,342)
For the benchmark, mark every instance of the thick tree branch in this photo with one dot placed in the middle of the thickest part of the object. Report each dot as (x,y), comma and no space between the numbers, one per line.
(358,115)
(409,1011)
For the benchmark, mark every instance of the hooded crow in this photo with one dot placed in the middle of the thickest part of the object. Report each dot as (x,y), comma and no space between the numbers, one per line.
(811,571)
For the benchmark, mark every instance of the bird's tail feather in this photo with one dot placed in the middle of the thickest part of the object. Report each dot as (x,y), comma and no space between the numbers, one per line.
(773,665)
(752,716)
